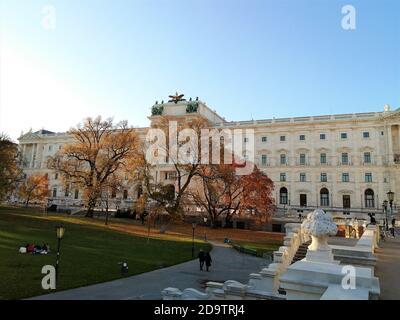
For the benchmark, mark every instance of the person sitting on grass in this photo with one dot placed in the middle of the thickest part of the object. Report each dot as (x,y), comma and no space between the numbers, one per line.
(30,248)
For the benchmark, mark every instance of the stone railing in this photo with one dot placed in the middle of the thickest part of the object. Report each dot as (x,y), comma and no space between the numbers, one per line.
(262,285)
(265,284)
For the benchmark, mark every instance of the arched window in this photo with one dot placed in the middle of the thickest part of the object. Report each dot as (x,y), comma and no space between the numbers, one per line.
(324,197)
(369,198)
(283,196)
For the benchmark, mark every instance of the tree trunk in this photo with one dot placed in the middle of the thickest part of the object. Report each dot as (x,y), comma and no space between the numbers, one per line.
(27,203)
(107,216)
(91,206)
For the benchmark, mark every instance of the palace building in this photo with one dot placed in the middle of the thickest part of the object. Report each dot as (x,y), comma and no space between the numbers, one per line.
(344,163)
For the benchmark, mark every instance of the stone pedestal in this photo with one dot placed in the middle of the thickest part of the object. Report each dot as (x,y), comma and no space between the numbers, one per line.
(309,280)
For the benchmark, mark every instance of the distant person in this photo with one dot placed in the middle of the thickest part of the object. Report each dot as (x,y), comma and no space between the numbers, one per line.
(372,219)
(201,257)
(300,217)
(393,224)
(30,248)
(208,260)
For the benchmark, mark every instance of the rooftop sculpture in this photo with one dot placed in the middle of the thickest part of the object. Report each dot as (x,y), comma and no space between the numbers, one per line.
(176,98)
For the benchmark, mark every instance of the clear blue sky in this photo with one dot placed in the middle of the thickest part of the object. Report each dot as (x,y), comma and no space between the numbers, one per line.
(245,58)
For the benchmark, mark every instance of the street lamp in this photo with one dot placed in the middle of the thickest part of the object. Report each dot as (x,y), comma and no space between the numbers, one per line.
(193,227)
(390,196)
(60,230)
(385,205)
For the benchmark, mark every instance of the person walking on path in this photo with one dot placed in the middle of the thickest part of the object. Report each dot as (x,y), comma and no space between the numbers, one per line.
(201,259)
(208,260)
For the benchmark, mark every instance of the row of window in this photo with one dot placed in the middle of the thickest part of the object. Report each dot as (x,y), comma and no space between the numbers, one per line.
(322,136)
(324,177)
(323,158)
(369,198)
(76,194)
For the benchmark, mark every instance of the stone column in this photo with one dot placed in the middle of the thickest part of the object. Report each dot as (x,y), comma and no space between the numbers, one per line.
(32,154)
(390,144)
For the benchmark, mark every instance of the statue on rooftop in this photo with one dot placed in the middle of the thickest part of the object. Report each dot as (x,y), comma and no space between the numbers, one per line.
(176,98)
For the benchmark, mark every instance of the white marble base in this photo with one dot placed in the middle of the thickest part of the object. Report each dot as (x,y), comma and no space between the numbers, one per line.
(308,280)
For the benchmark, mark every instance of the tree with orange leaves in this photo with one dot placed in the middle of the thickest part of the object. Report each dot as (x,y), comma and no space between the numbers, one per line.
(34,188)
(221,193)
(100,150)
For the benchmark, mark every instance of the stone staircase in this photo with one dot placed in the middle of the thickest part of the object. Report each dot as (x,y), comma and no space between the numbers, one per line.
(301,252)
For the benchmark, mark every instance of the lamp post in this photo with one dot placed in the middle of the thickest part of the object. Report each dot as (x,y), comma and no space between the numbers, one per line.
(60,230)
(193,227)
(205,223)
(390,196)
(385,204)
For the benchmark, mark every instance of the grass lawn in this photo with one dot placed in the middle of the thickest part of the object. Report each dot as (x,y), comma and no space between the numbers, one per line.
(89,253)
(261,248)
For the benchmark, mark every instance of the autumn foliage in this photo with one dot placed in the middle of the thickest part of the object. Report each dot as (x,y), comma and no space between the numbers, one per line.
(34,188)
(100,152)
(222,194)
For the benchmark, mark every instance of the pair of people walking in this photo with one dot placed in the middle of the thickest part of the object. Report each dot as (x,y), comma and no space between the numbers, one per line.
(204,258)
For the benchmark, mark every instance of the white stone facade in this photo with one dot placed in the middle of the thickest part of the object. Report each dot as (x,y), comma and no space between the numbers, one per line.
(342,163)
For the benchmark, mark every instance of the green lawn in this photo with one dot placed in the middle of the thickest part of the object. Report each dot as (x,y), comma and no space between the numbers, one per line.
(89,254)
(261,248)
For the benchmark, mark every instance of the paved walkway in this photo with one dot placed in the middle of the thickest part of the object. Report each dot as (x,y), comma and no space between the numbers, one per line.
(388,267)
(228,264)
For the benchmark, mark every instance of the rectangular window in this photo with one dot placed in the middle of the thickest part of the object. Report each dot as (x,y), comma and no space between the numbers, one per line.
(368,177)
(263,139)
(345,177)
(283,177)
(345,158)
(324,177)
(302,177)
(367,157)
(343,135)
(282,138)
(54,192)
(323,158)
(366,134)
(264,160)
(302,137)
(56,176)
(76,194)
(125,194)
(50,148)
(283,158)
(302,159)
(322,136)
(246,139)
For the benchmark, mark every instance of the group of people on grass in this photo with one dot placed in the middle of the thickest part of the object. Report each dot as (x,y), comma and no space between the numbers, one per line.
(204,258)
(35,249)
